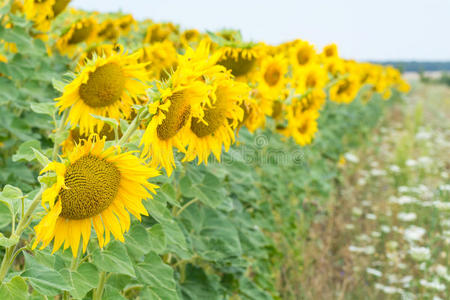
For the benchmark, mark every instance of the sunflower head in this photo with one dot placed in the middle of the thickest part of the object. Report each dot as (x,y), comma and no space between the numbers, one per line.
(125,23)
(108,31)
(240,60)
(271,78)
(189,36)
(302,53)
(106,86)
(159,32)
(75,137)
(345,90)
(42,12)
(302,125)
(310,77)
(82,31)
(330,51)
(222,114)
(163,59)
(94,186)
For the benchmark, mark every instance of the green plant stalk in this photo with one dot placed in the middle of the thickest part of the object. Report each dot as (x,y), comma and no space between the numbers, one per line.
(98,292)
(130,130)
(58,130)
(9,257)
(73,267)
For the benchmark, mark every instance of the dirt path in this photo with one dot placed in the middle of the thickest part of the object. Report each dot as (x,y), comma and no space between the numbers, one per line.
(387,233)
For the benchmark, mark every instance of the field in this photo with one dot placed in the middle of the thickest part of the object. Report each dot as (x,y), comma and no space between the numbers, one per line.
(143,160)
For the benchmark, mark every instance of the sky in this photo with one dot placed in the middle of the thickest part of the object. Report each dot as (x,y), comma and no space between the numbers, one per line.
(362,29)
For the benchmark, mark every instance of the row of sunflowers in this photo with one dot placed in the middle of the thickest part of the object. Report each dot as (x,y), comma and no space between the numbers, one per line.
(144,97)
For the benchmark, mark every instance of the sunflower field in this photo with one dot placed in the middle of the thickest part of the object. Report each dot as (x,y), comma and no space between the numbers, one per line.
(142,160)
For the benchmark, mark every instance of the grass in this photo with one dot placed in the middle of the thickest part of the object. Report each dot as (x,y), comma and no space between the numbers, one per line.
(366,242)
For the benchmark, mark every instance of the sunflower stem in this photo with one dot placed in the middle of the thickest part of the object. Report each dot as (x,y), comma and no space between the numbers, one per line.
(98,292)
(9,256)
(58,131)
(130,130)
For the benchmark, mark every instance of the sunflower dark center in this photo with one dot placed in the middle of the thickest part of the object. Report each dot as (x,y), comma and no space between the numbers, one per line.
(92,184)
(239,66)
(215,117)
(272,75)
(277,109)
(303,128)
(344,87)
(176,116)
(329,52)
(80,34)
(303,56)
(104,86)
(59,6)
(311,81)
(109,32)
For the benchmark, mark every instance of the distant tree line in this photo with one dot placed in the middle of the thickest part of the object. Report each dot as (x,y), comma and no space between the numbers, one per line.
(418,66)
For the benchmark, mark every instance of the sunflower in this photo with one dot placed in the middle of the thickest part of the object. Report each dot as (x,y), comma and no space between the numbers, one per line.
(41,12)
(302,53)
(125,23)
(345,90)
(98,187)
(271,78)
(256,108)
(334,66)
(189,36)
(94,51)
(159,32)
(221,117)
(310,77)
(163,58)
(108,31)
(82,31)
(330,51)
(314,100)
(75,137)
(106,86)
(302,125)
(240,60)
(182,97)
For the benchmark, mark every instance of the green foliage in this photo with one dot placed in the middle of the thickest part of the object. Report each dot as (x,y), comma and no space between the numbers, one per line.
(213,232)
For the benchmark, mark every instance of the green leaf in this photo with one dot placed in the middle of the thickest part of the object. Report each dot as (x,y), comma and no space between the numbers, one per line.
(58,85)
(44,108)
(84,279)
(251,291)
(26,152)
(210,191)
(167,194)
(11,192)
(114,259)
(110,121)
(8,242)
(186,187)
(10,196)
(5,214)
(137,241)
(41,158)
(199,285)
(15,289)
(157,239)
(176,240)
(45,280)
(158,276)
(112,293)
(213,235)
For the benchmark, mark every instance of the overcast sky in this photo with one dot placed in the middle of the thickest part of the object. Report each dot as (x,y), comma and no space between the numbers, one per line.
(363,29)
